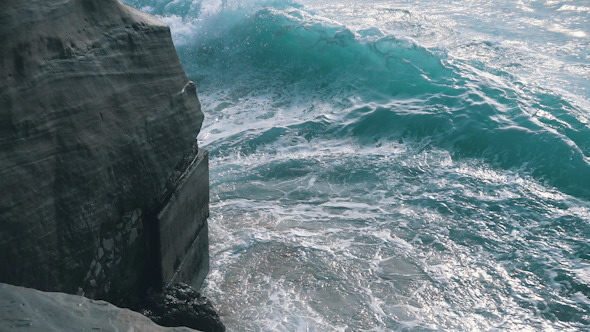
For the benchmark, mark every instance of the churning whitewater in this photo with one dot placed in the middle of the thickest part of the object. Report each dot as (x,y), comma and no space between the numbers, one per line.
(394,165)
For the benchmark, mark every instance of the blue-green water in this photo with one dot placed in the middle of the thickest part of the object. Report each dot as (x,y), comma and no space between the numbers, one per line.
(392,165)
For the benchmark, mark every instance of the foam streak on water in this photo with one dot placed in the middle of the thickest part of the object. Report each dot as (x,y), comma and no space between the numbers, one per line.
(394,165)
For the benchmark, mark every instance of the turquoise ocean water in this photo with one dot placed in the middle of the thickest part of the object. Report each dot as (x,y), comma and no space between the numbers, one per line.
(394,165)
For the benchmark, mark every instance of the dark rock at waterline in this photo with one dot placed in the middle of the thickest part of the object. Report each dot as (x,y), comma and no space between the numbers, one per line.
(180,305)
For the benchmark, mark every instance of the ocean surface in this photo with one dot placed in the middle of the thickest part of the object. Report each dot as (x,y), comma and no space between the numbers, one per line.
(394,165)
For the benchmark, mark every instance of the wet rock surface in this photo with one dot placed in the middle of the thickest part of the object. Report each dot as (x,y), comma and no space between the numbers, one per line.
(181,305)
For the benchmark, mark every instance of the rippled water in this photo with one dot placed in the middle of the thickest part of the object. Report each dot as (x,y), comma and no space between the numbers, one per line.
(394,165)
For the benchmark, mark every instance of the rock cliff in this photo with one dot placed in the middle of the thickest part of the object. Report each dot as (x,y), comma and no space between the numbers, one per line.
(97,122)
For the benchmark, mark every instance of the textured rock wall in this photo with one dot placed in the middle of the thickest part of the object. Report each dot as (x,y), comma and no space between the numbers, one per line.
(97,121)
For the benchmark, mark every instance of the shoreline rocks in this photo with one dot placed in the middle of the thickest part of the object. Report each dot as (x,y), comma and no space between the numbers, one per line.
(25,309)
(181,305)
(98,126)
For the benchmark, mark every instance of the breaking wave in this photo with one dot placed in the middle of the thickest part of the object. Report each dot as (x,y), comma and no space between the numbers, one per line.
(364,179)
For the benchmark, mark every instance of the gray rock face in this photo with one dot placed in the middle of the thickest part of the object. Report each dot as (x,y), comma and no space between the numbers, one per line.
(183,228)
(25,309)
(97,121)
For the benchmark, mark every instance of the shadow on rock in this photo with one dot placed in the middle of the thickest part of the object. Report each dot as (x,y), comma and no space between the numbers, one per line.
(181,305)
